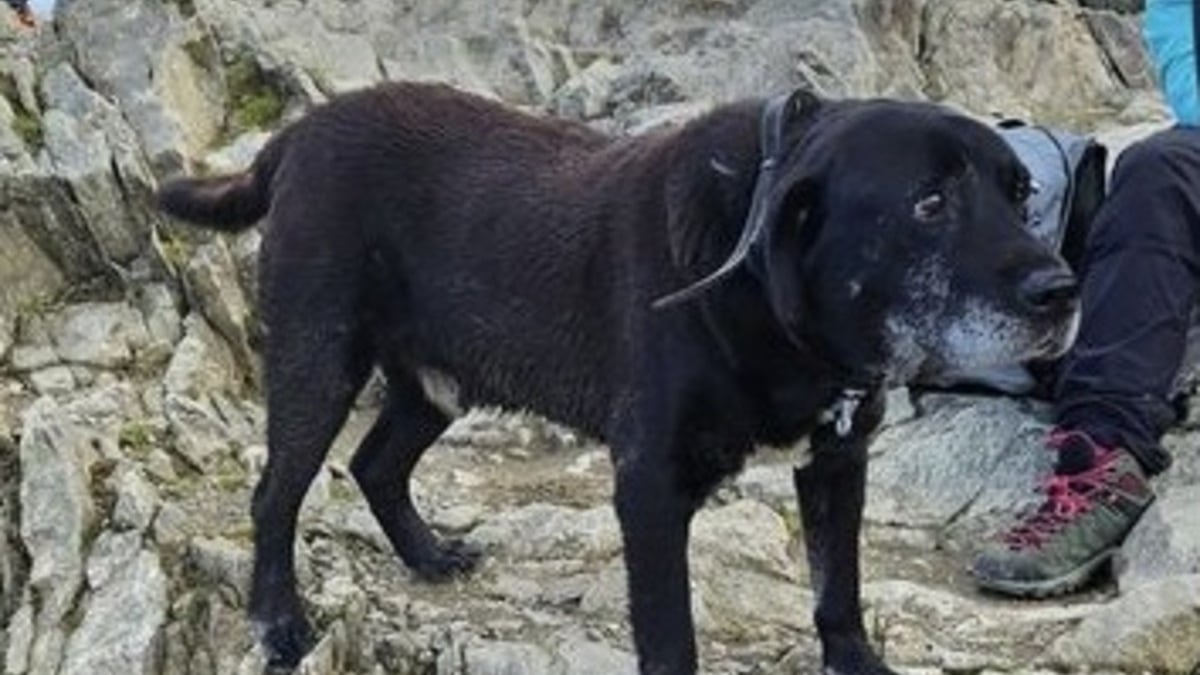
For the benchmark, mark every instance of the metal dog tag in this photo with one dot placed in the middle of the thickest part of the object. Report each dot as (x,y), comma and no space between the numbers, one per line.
(841,413)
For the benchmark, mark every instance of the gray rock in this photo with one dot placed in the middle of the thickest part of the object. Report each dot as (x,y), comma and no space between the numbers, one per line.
(46,652)
(200,429)
(28,273)
(1016,59)
(103,410)
(327,45)
(213,284)
(504,658)
(96,415)
(324,657)
(137,499)
(1166,542)
(769,483)
(900,408)
(1185,465)
(968,462)
(342,596)
(56,511)
(238,155)
(544,531)
(13,563)
(125,614)
(607,594)
(744,583)
(516,589)
(661,117)
(164,326)
(513,433)
(52,381)
(84,376)
(579,656)
(220,561)
(357,521)
(18,639)
(93,156)
(172,526)
(200,386)
(33,357)
(457,518)
(244,249)
(100,334)
(1156,628)
(587,94)
(201,364)
(209,635)
(7,335)
(160,467)
(136,52)
(60,443)
(745,535)
(937,627)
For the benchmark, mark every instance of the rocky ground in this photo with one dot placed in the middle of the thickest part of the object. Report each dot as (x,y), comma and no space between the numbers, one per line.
(131,428)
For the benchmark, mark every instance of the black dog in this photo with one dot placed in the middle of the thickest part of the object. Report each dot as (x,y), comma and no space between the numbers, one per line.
(531,263)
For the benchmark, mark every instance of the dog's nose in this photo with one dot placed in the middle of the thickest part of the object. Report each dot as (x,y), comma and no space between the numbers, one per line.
(1049,290)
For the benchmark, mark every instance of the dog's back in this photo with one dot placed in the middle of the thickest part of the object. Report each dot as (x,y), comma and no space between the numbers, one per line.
(428,199)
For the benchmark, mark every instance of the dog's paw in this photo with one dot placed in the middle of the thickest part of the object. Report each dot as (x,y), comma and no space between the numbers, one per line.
(870,670)
(868,666)
(452,558)
(853,656)
(285,641)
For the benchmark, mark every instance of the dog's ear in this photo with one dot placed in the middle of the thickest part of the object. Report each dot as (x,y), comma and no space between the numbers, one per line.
(780,257)
(780,129)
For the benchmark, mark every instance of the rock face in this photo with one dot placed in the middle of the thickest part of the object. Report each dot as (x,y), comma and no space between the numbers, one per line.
(132,430)
(120,632)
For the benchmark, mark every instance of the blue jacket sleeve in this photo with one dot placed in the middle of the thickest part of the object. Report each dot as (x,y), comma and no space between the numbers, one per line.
(1169,28)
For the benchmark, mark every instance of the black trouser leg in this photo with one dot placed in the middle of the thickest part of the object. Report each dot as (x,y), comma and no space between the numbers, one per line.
(1139,288)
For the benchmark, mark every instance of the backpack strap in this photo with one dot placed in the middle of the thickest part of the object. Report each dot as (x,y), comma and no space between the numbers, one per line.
(1064,209)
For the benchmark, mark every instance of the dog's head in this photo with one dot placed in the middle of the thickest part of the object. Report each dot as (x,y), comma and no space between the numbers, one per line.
(890,235)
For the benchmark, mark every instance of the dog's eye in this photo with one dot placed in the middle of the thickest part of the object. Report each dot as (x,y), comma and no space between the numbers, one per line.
(929,207)
(1023,190)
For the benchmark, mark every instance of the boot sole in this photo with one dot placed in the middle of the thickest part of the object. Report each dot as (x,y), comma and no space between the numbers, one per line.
(1045,588)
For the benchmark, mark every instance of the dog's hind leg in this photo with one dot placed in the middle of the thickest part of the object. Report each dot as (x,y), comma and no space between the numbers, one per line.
(831,493)
(316,362)
(408,424)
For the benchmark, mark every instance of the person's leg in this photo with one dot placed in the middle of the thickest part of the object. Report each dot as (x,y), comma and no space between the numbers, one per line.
(1139,288)
(1113,396)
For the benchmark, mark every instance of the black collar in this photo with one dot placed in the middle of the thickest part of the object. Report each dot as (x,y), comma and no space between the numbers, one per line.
(771,128)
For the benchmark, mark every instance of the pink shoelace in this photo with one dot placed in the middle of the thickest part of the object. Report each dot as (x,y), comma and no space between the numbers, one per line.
(1067,496)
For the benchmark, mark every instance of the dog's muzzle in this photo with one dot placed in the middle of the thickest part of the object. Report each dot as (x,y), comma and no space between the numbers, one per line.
(1051,296)
(1050,292)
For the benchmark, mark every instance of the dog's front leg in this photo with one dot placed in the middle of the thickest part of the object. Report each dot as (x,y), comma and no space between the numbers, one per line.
(831,493)
(654,514)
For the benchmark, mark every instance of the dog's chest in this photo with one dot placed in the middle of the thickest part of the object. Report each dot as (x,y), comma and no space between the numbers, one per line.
(789,412)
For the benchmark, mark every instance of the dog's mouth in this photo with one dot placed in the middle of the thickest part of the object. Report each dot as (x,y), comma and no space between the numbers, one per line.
(1058,338)
(977,336)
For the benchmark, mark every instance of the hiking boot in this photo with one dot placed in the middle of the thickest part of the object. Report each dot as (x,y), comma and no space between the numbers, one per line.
(1085,516)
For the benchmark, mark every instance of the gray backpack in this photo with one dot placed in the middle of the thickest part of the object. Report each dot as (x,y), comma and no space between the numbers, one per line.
(1069,180)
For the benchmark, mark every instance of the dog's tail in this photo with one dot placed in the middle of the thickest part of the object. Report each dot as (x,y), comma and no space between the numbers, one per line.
(231,202)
